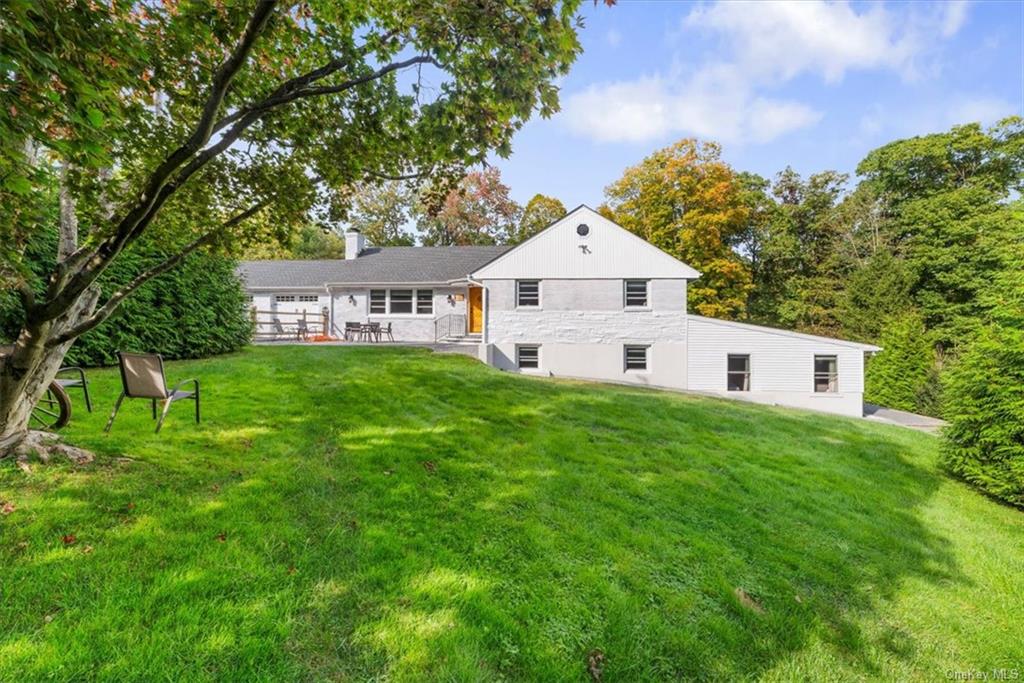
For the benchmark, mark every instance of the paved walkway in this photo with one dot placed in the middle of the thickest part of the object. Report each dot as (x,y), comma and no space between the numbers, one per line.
(902,418)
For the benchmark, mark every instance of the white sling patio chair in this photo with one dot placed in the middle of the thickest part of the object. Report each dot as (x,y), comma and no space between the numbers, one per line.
(142,376)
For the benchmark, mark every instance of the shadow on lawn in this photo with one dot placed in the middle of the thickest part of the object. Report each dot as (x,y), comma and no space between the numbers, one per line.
(562,519)
(407,515)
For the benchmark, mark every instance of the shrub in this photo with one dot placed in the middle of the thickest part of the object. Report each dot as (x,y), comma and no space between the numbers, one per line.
(195,310)
(984,397)
(903,374)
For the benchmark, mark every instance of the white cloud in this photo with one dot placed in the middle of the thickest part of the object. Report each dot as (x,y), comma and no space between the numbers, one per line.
(653,107)
(613,37)
(780,40)
(766,44)
(954,17)
(986,110)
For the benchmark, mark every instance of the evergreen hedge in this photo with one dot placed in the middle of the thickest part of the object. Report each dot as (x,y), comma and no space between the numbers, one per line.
(902,375)
(195,310)
(984,397)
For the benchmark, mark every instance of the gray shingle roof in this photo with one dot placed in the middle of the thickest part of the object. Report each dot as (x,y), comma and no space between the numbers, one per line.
(374,265)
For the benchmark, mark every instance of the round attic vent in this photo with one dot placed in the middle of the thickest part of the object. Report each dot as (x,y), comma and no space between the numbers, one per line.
(582,230)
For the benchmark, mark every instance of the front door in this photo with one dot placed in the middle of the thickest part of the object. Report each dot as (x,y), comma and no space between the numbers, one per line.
(476,310)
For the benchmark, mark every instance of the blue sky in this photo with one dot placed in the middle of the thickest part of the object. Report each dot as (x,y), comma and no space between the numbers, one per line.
(809,84)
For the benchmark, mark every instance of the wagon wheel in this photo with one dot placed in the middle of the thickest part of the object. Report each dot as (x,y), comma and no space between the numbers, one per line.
(53,410)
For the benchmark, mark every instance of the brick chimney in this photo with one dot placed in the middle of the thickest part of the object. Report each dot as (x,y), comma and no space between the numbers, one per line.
(354,243)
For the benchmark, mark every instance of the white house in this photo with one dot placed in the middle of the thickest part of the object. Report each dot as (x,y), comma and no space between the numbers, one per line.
(584,298)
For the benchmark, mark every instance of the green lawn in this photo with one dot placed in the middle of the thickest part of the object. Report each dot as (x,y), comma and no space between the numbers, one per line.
(371,513)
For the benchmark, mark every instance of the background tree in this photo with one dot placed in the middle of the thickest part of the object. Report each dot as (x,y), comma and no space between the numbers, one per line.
(183,120)
(799,265)
(383,212)
(540,212)
(946,197)
(686,201)
(478,211)
(309,241)
(984,389)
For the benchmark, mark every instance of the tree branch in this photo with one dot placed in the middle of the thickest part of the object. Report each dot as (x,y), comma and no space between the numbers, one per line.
(28,297)
(92,264)
(117,297)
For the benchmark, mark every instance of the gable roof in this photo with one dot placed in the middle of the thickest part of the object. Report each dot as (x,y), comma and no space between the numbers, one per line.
(375,265)
(607,251)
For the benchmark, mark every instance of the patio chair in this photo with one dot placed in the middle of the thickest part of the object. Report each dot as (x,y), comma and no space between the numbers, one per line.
(278,329)
(385,331)
(142,376)
(351,331)
(80,381)
(301,330)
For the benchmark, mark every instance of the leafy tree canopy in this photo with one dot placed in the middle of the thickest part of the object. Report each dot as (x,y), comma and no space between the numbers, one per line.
(540,212)
(183,120)
(688,202)
(478,211)
(383,212)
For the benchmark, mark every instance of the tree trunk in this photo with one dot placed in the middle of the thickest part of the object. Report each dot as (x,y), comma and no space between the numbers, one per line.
(28,371)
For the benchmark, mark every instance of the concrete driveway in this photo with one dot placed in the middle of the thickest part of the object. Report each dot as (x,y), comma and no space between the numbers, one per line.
(902,418)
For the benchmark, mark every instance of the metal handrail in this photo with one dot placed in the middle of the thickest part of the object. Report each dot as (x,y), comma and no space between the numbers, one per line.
(450,325)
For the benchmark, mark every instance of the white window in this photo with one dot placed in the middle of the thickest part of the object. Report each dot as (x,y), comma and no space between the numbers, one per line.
(527,293)
(309,298)
(635,357)
(528,356)
(826,374)
(284,298)
(425,301)
(400,301)
(378,301)
(737,375)
(636,293)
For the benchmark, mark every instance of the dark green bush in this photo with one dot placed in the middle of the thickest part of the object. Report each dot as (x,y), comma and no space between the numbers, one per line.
(195,310)
(903,374)
(984,398)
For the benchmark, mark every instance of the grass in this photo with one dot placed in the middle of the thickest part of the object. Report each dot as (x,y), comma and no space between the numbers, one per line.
(369,513)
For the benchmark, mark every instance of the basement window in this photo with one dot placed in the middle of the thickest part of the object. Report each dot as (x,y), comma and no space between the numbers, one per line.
(826,374)
(528,293)
(528,357)
(636,293)
(738,372)
(635,357)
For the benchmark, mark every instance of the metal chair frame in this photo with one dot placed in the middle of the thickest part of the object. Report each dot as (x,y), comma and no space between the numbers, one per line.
(168,398)
(80,382)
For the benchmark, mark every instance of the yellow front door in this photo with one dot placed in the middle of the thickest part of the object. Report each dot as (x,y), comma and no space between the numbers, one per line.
(476,310)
